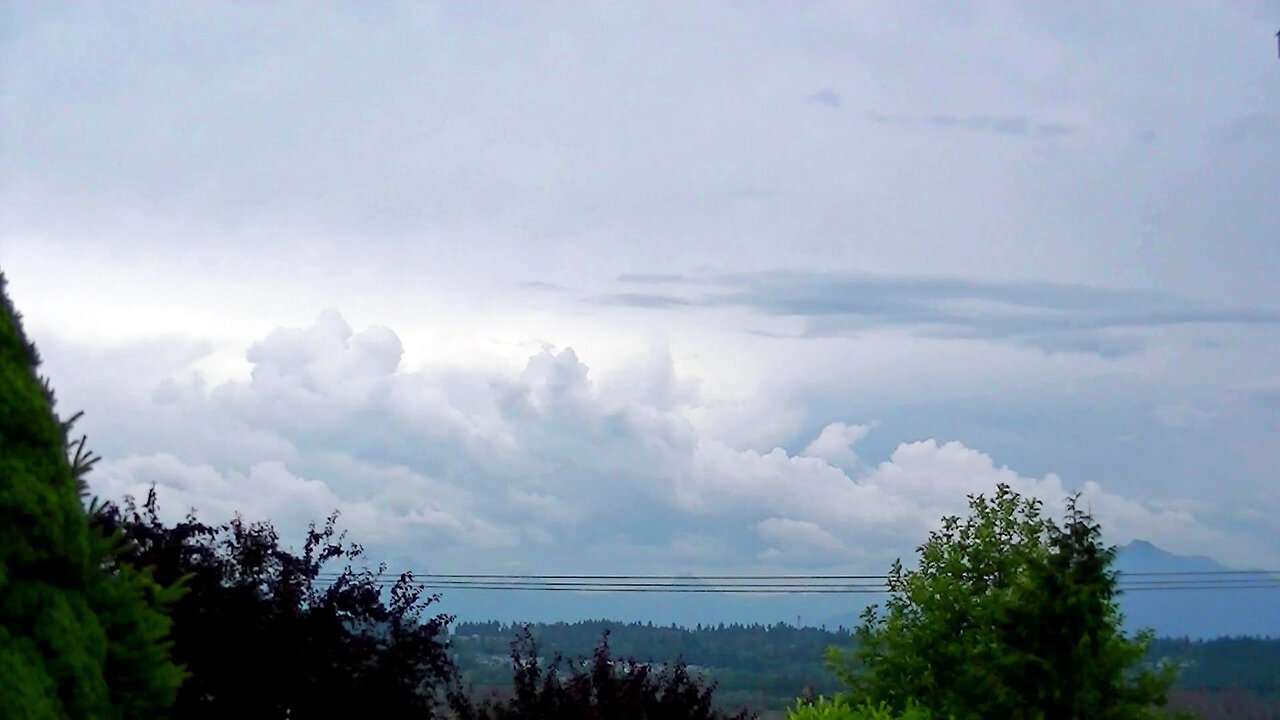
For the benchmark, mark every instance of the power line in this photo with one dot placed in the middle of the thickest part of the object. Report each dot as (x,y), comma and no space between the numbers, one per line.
(1267,586)
(788,589)
(462,584)
(693,578)
(640,577)
(1202,572)
(570,584)
(782,584)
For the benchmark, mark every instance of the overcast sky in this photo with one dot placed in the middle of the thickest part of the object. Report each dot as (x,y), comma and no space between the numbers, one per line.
(658,287)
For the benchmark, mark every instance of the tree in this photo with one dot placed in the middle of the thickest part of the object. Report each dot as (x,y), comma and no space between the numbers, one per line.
(267,634)
(81,636)
(597,689)
(1008,615)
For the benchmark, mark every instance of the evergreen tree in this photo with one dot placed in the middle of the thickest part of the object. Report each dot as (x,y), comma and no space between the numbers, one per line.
(81,636)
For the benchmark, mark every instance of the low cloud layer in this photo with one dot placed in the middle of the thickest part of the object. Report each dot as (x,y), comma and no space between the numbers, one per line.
(547,469)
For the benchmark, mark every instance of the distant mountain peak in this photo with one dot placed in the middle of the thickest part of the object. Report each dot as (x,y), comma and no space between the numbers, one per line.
(1198,613)
(1142,555)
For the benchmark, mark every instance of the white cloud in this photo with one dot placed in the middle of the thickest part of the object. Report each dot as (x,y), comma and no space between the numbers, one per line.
(798,531)
(835,444)
(467,468)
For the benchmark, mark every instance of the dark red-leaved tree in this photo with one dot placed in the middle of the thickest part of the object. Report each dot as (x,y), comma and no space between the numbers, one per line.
(599,688)
(263,636)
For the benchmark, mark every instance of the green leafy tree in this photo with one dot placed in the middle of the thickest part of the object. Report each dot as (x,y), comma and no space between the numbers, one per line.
(81,635)
(1008,615)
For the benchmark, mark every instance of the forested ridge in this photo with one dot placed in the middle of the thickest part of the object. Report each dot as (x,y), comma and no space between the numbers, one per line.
(767,666)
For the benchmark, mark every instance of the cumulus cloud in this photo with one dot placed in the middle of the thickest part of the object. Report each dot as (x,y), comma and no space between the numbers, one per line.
(393,506)
(835,444)
(798,539)
(465,468)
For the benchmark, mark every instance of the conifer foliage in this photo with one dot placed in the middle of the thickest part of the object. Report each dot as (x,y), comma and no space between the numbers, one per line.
(81,636)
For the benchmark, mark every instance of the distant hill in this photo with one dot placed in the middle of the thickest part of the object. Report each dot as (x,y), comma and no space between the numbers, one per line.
(1194,613)
(1200,614)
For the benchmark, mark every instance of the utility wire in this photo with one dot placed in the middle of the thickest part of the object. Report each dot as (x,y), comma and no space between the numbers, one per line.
(786,584)
(487,577)
(757,586)
(786,589)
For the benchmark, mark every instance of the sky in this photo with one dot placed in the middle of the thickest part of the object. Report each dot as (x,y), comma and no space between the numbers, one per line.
(657,287)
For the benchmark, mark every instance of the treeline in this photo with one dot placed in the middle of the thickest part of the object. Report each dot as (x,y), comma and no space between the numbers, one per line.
(749,648)
(1251,664)
(768,666)
(763,667)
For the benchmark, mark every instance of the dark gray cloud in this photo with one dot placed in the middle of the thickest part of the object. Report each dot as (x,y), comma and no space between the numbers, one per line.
(1053,317)
(541,285)
(642,300)
(653,278)
(827,97)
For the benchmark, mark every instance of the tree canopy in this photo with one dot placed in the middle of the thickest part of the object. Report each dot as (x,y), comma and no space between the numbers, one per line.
(267,634)
(1008,615)
(599,688)
(81,636)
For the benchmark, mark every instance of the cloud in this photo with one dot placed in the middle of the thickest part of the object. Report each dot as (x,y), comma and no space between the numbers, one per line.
(1008,125)
(172,171)
(641,300)
(835,445)
(473,464)
(326,352)
(395,506)
(827,97)
(449,172)
(1053,317)
(540,285)
(791,540)
(653,278)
